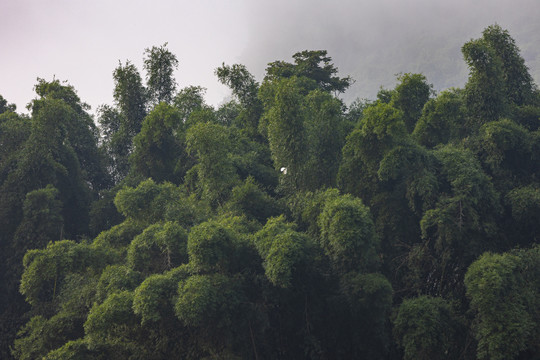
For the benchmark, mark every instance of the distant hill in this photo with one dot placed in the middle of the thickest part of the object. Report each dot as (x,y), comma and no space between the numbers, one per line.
(374,42)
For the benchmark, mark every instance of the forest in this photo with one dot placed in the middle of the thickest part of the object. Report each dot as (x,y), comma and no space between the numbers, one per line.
(281,224)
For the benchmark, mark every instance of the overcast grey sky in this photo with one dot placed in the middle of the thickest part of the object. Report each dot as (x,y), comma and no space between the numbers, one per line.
(82,41)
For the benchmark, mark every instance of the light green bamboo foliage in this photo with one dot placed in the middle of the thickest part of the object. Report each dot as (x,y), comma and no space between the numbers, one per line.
(285,251)
(41,335)
(287,134)
(148,202)
(154,299)
(44,269)
(412,170)
(119,236)
(158,248)
(249,199)
(215,172)
(112,321)
(75,350)
(504,292)
(116,278)
(210,247)
(348,235)
(207,300)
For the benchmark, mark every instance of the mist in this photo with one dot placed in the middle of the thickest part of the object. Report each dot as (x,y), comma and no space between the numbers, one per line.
(372,41)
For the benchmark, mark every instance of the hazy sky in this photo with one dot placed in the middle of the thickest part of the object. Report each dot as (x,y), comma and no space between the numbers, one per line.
(82,41)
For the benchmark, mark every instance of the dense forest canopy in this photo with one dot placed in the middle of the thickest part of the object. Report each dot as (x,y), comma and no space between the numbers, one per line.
(283,224)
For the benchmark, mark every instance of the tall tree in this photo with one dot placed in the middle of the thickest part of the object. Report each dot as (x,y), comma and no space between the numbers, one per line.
(160,65)
(409,96)
(312,64)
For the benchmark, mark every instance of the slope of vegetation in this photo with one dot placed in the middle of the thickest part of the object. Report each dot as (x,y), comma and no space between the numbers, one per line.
(281,225)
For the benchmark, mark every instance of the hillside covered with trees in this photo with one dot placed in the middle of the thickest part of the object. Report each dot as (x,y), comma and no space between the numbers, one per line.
(283,224)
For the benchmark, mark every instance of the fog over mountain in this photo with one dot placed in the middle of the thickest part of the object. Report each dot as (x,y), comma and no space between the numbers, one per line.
(372,41)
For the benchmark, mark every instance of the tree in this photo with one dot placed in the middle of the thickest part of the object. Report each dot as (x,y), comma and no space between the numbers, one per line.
(130,96)
(215,172)
(315,65)
(442,120)
(159,149)
(286,134)
(325,135)
(409,96)
(245,89)
(503,289)
(4,106)
(381,129)
(42,220)
(426,328)
(519,83)
(485,91)
(160,65)
(347,235)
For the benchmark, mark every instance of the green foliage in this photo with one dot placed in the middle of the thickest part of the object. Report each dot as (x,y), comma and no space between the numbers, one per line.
(306,208)
(118,236)
(130,97)
(116,278)
(40,335)
(285,256)
(381,129)
(110,319)
(73,350)
(245,89)
(286,132)
(241,82)
(506,150)
(409,96)
(251,200)
(467,208)
(315,65)
(325,132)
(525,203)
(215,172)
(148,202)
(207,300)
(369,300)
(160,64)
(14,131)
(498,79)
(45,268)
(42,219)
(503,289)
(159,148)
(411,170)
(519,83)
(158,248)
(5,107)
(442,120)
(285,251)
(210,247)
(219,234)
(425,327)
(153,299)
(348,235)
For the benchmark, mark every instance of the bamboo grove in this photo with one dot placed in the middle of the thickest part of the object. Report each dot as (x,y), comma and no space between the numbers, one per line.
(283,224)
